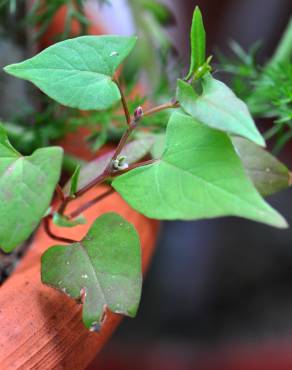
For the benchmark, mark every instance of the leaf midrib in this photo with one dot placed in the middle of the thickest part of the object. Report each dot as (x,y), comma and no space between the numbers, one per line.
(63,70)
(94,272)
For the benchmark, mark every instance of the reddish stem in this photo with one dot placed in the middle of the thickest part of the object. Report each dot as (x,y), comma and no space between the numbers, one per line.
(108,172)
(60,193)
(159,108)
(90,203)
(124,103)
(54,236)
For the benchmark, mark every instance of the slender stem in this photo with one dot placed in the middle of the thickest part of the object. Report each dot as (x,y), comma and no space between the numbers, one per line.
(54,236)
(108,172)
(90,203)
(124,103)
(98,180)
(60,193)
(169,105)
(64,205)
(123,142)
(133,166)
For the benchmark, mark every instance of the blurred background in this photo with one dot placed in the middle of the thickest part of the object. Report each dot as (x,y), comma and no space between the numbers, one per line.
(218,295)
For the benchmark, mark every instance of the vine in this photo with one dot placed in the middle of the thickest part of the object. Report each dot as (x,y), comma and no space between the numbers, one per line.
(210,162)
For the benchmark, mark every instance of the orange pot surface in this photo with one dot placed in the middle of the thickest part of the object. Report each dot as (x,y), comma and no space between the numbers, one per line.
(42,328)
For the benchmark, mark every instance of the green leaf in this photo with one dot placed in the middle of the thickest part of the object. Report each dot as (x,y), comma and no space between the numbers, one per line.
(198,176)
(6,149)
(78,72)
(198,43)
(26,188)
(266,172)
(219,108)
(63,221)
(74,181)
(104,269)
(159,11)
(133,152)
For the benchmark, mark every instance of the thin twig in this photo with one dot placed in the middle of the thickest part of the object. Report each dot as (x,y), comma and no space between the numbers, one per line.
(124,103)
(54,236)
(60,193)
(159,108)
(64,205)
(123,142)
(98,180)
(133,166)
(108,172)
(90,203)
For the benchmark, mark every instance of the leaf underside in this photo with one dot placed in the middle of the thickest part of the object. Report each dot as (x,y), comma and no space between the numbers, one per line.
(267,173)
(104,269)
(198,176)
(78,72)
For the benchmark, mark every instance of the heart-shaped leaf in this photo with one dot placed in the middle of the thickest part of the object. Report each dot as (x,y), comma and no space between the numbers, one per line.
(198,176)
(267,173)
(26,188)
(219,108)
(78,72)
(104,269)
(133,151)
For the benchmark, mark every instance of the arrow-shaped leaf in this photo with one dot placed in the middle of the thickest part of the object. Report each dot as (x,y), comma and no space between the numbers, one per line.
(78,72)
(104,269)
(198,176)
(218,107)
(26,188)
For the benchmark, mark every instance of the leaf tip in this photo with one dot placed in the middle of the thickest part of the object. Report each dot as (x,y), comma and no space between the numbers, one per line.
(277,220)
(132,312)
(282,223)
(261,141)
(8,68)
(197,12)
(6,249)
(12,69)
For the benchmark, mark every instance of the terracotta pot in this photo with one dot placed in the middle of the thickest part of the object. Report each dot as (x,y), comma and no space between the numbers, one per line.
(40,327)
